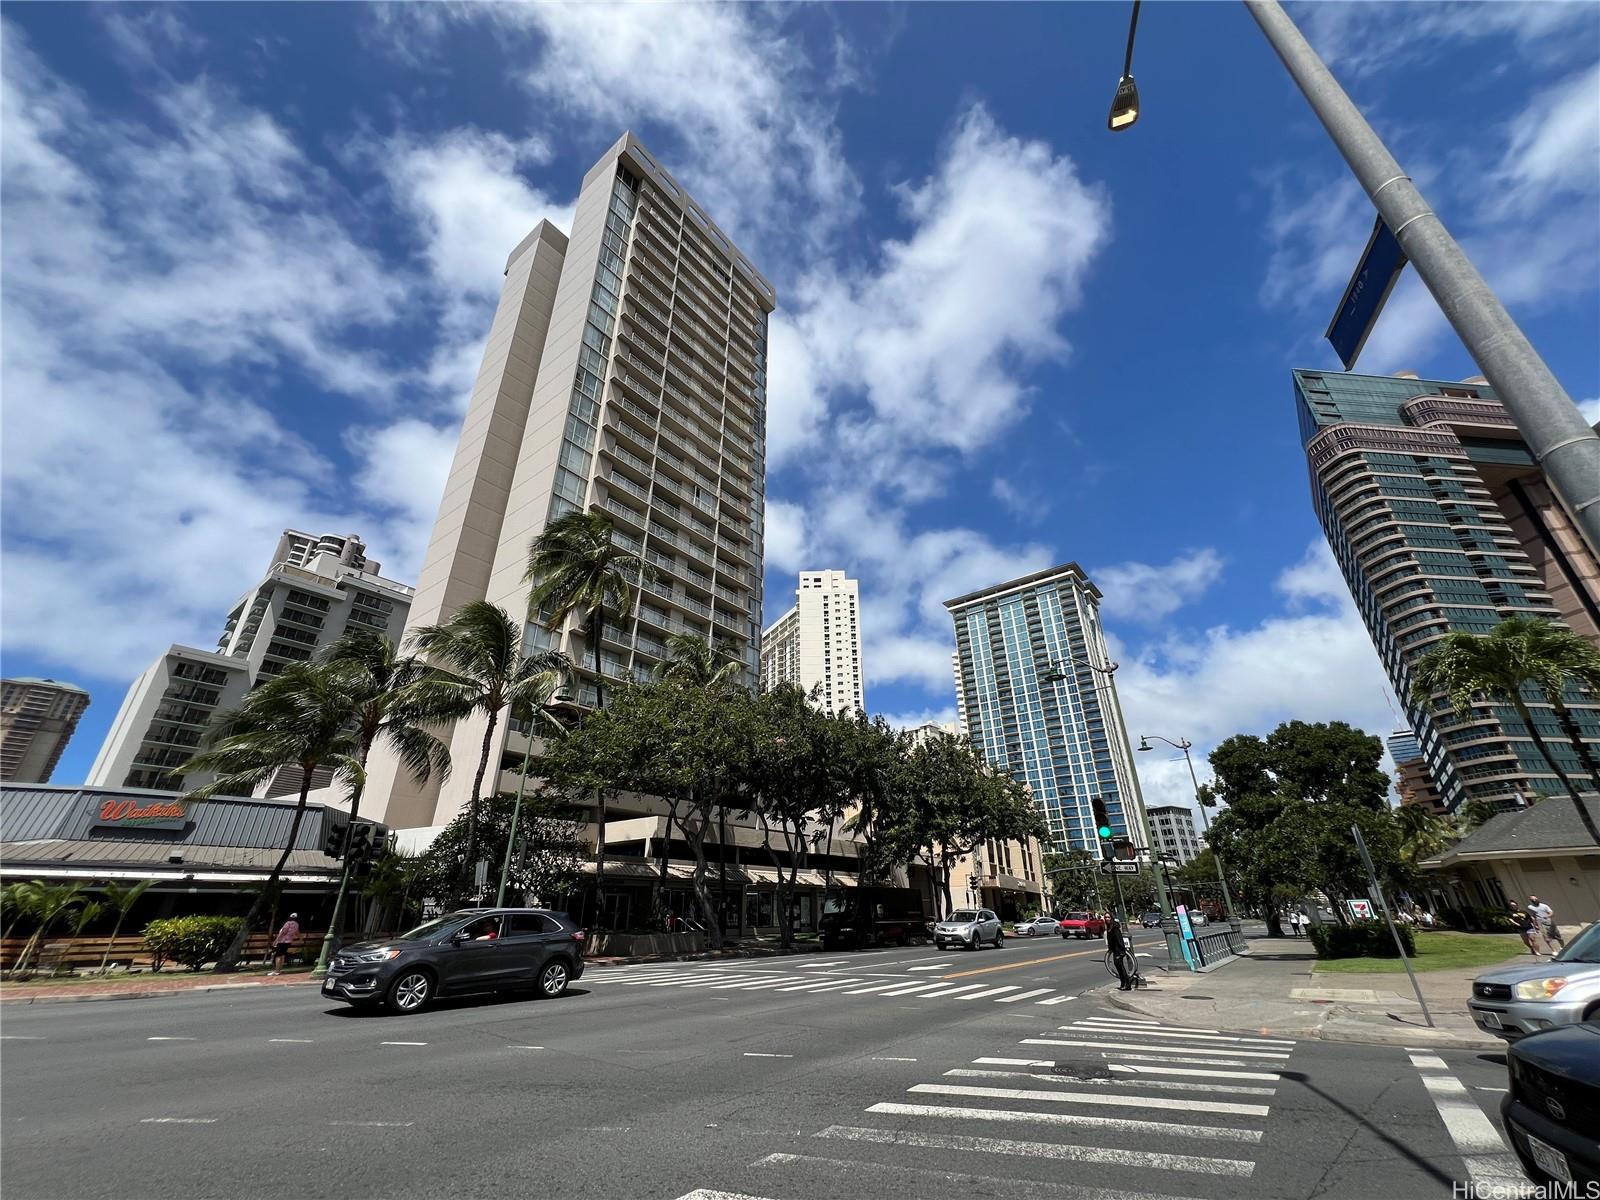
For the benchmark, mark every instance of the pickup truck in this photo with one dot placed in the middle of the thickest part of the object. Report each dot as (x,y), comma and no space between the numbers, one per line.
(1082,925)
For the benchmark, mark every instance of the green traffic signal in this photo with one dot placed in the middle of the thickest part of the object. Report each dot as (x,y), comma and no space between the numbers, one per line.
(1105,831)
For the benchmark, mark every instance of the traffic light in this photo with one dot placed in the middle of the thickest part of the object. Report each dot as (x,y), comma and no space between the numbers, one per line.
(1123,846)
(333,838)
(361,846)
(1103,827)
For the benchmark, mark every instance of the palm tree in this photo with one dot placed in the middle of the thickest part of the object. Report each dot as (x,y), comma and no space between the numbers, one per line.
(47,904)
(122,899)
(302,718)
(394,697)
(1557,659)
(695,661)
(1517,653)
(578,567)
(481,648)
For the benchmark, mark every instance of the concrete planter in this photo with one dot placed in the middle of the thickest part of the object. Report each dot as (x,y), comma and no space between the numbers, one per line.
(633,944)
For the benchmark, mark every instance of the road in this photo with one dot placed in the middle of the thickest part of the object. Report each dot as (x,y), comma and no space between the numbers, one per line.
(888,1074)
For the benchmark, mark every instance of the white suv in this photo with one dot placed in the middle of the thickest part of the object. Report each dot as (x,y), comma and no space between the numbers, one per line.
(969,927)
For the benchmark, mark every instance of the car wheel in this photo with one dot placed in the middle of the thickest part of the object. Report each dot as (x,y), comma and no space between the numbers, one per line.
(409,992)
(553,979)
(999,938)
(972,944)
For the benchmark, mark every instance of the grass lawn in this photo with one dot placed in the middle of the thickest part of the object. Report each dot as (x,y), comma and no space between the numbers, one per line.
(1435,951)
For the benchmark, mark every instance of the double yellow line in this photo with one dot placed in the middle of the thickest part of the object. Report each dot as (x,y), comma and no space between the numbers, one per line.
(1027,962)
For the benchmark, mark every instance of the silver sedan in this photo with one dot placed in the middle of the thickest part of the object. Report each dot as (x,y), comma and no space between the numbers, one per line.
(1037,927)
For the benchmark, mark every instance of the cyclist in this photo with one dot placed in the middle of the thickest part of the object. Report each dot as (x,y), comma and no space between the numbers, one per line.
(1117,943)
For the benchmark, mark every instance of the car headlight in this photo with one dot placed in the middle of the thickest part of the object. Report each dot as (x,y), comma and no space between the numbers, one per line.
(376,956)
(1539,989)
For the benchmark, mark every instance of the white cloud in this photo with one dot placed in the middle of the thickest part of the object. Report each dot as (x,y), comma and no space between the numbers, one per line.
(401,475)
(1590,410)
(1315,578)
(1030,508)
(1553,146)
(1142,592)
(924,716)
(785,544)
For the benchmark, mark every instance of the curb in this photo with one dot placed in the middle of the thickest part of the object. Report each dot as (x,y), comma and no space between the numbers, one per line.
(150,995)
(1433,1038)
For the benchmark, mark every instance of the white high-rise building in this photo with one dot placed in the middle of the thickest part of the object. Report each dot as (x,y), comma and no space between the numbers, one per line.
(316,590)
(817,643)
(625,373)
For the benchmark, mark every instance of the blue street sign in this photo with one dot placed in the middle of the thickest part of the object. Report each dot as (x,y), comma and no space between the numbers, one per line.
(1364,296)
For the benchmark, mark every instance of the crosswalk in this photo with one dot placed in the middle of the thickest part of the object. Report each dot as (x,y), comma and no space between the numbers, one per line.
(1160,1109)
(818,978)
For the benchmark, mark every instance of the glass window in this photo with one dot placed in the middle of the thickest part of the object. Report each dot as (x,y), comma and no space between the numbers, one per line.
(524,924)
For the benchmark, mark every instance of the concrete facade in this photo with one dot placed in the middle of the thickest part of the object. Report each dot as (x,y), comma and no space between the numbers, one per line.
(817,643)
(1172,828)
(37,720)
(626,374)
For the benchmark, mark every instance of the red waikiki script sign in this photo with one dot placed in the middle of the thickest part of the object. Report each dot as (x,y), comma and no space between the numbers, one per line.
(158,814)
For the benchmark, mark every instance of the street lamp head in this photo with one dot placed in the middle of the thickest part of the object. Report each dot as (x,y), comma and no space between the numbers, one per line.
(1144,744)
(1124,105)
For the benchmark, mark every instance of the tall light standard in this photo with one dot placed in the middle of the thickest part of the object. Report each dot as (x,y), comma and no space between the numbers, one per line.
(1054,674)
(559,700)
(1560,439)
(1184,744)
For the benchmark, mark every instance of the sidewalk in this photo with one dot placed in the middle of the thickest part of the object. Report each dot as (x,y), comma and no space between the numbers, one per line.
(1272,991)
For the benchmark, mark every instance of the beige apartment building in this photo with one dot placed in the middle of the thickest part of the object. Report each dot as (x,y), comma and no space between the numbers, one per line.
(817,643)
(624,373)
(37,719)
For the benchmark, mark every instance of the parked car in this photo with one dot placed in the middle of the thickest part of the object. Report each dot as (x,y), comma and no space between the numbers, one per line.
(1150,919)
(1036,927)
(1514,1001)
(1082,924)
(473,950)
(969,927)
(1552,1107)
(868,916)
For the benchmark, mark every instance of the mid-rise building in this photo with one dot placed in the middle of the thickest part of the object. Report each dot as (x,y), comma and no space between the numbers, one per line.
(37,719)
(817,643)
(315,590)
(624,374)
(1172,830)
(1038,700)
(1441,520)
(1412,780)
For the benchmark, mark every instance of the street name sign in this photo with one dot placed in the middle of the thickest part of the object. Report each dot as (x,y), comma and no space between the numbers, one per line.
(1365,294)
(1119,866)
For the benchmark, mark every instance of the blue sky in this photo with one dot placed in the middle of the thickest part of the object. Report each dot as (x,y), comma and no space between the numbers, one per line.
(251,253)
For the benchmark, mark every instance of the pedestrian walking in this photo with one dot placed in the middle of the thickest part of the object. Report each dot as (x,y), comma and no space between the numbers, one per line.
(1117,943)
(1527,927)
(284,942)
(1545,917)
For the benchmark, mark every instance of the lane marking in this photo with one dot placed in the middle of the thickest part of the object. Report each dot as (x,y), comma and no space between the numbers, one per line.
(1095,1154)
(1058,1000)
(877,987)
(934,967)
(992,1185)
(1189,1073)
(402,1043)
(884,1058)
(177,1120)
(1161,1058)
(906,991)
(1134,1021)
(1220,1051)
(825,986)
(1484,1152)
(169,1039)
(952,991)
(524,1047)
(374,1124)
(1026,995)
(1086,1027)
(986,993)
(763,1054)
(295,1041)
(711,1194)
(1098,1097)
(1028,962)
(1480,1088)
(1226,1089)
(951,1112)
(21,1037)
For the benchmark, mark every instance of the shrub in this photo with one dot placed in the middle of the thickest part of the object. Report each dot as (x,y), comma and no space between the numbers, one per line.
(192,941)
(1365,939)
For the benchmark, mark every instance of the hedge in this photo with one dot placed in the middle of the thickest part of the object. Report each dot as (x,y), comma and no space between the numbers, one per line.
(192,941)
(1365,939)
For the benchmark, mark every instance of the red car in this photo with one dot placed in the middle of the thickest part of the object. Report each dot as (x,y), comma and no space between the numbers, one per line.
(1083,925)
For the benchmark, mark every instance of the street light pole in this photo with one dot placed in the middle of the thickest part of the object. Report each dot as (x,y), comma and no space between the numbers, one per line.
(1184,744)
(1561,441)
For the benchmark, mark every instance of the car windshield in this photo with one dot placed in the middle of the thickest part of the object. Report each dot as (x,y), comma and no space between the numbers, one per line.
(1585,948)
(962,914)
(1077,916)
(429,929)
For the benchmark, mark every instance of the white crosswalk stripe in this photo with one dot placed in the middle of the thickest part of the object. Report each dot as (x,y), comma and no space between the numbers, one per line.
(1124,1097)
(1489,1161)
(800,983)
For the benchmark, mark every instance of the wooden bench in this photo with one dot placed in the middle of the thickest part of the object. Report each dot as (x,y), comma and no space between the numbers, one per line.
(128,950)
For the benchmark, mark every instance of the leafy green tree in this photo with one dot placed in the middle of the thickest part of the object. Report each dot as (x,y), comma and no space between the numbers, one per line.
(1074,881)
(480,647)
(1519,656)
(695,661)
(869,756)
(1423,835)
(1475,812)
(546,863)
(301,718)
(48,905)
(120,899)
(394,698)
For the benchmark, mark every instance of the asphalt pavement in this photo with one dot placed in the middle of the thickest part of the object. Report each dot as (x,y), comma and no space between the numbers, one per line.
(895,1074)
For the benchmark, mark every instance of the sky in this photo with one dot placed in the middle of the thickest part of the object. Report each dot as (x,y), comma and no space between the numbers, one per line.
(251,253)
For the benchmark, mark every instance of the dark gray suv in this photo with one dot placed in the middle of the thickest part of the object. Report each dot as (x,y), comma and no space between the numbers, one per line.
(473,950)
